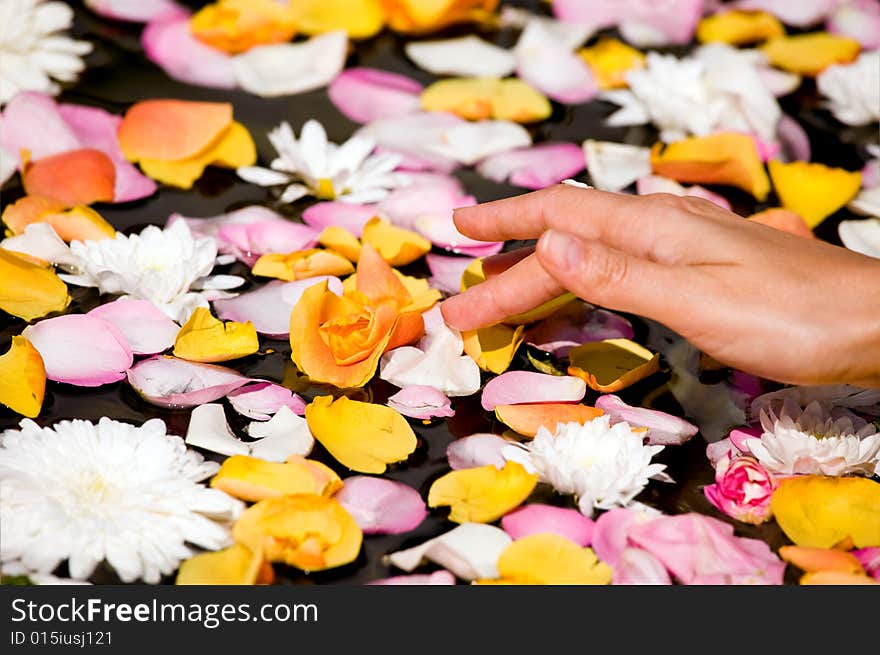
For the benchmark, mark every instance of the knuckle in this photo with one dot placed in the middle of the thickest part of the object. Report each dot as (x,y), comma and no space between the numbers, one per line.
(605,268)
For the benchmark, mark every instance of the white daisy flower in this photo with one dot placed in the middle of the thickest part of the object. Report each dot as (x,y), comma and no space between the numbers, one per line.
(170,268)
(853,90)
(314,166)
(816,441)
(603,465)
(87,493)
(33,51)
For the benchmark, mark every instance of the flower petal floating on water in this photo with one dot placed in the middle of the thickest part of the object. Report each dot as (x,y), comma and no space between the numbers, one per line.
(870,560)
(810,54)
(636,566)
(859,20)
(397,246)
(235,26)
(523,387)
(416,16)
(612,364)
(493,348)
(536,167)
(447,272)
(658,184)
(477,450)
(483,494)
(349,216)
(236,565)
(464,56)
(253,479)
(739,27)
(614,166)
(79,223)
(177,383)
(487,98)
(574,324)
(610,60)
(282,436)
(262,400)
(382,506)
(528,419)
(135,11)
(421,402)
(359,18)
(22,378)
(851,89)
(551,559)
(76,177)
(146,329)
(203,338)
(362,436)
(663,429)
(861,236)
(813,560)
(798,14)
(27,290)
(303,265)
(813,191)
(369,94)
(537,519)
(209,430)
(612,527)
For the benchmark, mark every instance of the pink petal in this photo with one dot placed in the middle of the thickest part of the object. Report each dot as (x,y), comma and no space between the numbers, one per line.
(436,578)
(210,227)
(32,121)
(368,94)
(248,242)
(421,402)
(536,519)
(518,387)
(412,135)
(870,559)
(477,450)
(340,214)
(446,272)
(440,230)
(663,429)
(611,531)
(718,449)
(575,324)
(269,306)
(643,22)
(536,167)
(552,68)
(698,549)
(381,506)
(649,184)
(739,436)
(427,194)
(793,139)
(859,20)
(802,13)
(599,14)
(871,174)
(262,400)
(177,383)
(639,567)
(146,329)
(135,11)
(169,44)
(81,350)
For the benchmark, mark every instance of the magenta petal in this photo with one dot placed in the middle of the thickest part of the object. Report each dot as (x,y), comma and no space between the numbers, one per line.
(477,450)
(262,400)
(536,519)
(32,121)
(639,567)
(575,324)
(435,578)
(340,214)
(536,167)
(169,44)
(146,329)
(870,559)
(663,429)
(134,11)
(368,94)
(381,506)
(446,272)
(859,20)
(81,350)
(177,383)
(421,402)
(740,436)
(610,533)
(519,387)
(249,241)
(269,306)
(440,230)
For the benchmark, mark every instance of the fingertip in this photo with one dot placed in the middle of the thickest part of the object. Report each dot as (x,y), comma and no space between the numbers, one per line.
(451,313)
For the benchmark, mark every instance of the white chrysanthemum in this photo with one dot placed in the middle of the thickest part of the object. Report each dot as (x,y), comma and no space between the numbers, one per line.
(718,88)
(853,90)
(170,268)
(312,165)
(87,493)
(604,465)
(816,441)
(33,52)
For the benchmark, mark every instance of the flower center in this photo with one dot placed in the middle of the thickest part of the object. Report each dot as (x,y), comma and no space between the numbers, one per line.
(325,190)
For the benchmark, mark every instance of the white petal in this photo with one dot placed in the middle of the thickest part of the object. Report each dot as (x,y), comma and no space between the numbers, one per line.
(466,56)
(862,236)
(285,434)
(208,429)
(614,166)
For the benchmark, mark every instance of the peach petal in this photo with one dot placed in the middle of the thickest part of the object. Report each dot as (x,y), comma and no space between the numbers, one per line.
(529,418)
(253,480)
(785,220)
(813,560)
(76,177)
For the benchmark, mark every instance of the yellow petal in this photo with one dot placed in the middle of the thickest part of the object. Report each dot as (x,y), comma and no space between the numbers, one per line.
(204,338)
(818,512)
(238,25)
(360,18)
(493,348)
(610,60)
(613,364)
(254,479)
(423,297)
(482,494)
(551,559)
(307,531)
(517,101)
(362,436)
(22,378)
(236,565)
(739,27)
(397,246)
(27,290)
(233,148)
(836,578)
(342,241)
(302,265)
(481,98)
(810,54)
(419,16)
(78,223)
(813,191)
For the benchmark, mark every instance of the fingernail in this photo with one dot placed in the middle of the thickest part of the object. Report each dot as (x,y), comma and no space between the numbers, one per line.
(444,307)
(561,249)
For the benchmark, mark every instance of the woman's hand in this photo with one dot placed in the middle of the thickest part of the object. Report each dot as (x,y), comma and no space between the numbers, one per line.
(755,298)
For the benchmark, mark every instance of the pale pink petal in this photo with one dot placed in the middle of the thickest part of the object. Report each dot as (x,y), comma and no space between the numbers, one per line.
(169,44)
(663,429)
(610,533)
(177,383)
(262,400)
(135,11)
(81,350)
(368,94)
(209,430)
(421,402)
(426,194)
(211,226)
(468,143)
(802,13)
(598,14)
(718,449)
(537,167)
(446,272)
(793,139)
(740,436)
(249,241)
(871,174)
(435,578)
(537,519)
(381,506)
(464,56)
(551,67)
(639,567)
(269,306)
(413,135)
(32,121)
(283,435)
(859,20)
(870,559)
(651,23)
(614,166)
(440,230)
(575,324)
(146,328)
(340,214)
(780,83)
(482,449)
(518,387)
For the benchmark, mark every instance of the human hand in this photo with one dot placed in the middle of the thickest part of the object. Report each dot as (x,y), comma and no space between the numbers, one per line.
(752,297)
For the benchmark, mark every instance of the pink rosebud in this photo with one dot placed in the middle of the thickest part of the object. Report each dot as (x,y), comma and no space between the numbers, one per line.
(742,489)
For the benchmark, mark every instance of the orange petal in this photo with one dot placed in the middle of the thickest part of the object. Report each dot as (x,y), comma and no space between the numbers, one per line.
(360,18)
(821,559)
(493,348)
(410,327)
(76,177)
(613,364)
(610,60)
(22,378)
(813,191)
(27,290)
(836,578)
(418,16)
(810,54)
(238,25)
(376,280)
(342,241)
(725,158)
(169,130)
(252,479)
(396,246)
(528,419)
(27,210)
(302,265)
(785,220)
(739,27)
(80,223)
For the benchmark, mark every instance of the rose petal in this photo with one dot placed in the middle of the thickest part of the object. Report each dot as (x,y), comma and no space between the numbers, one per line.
(28,290)
(810,54)
(282,436)
(659,184)
(552,68)
(465,56)
(427,194)
(177,383)
(339,214)
(861,236)
(209,430)
(614,166)
(421,402)
(81,350)
(146,329)
(610,533)
(75,177)
(415,136)
(798,14)
(382,506)
(612,364)
(470,142)
(135,11)
(639,567)
(368,94)
(482,494)
(249,241)
(577,323)
(476,450)
(436,578)
(262,400)
(440,230)
(528,419)
(520,387)
(870,560)
(793,138)
(446,272)
(813,191)
(32,122)
(534,168)
(859,20)
(663,429)
(22,378)
(553,560)
(41,241)
(536,519)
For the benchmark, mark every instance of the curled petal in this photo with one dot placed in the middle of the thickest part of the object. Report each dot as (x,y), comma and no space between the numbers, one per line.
(177,383)
(436,191)
(476,450)
(382,506)
(534,168)
(302,265)
(40,240)
(209,430)
(281,437)
(493,348)
(79,223)
(146,329)
(663,429)
(520,387)
(485,98)
(612,364)
(262,400)
(418,137)
(421,402)
(396,245)
(575,324)
(369,94)
(536,519)
(611,531)
(203,338)
(821,559)
(469,143)
(793,139)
